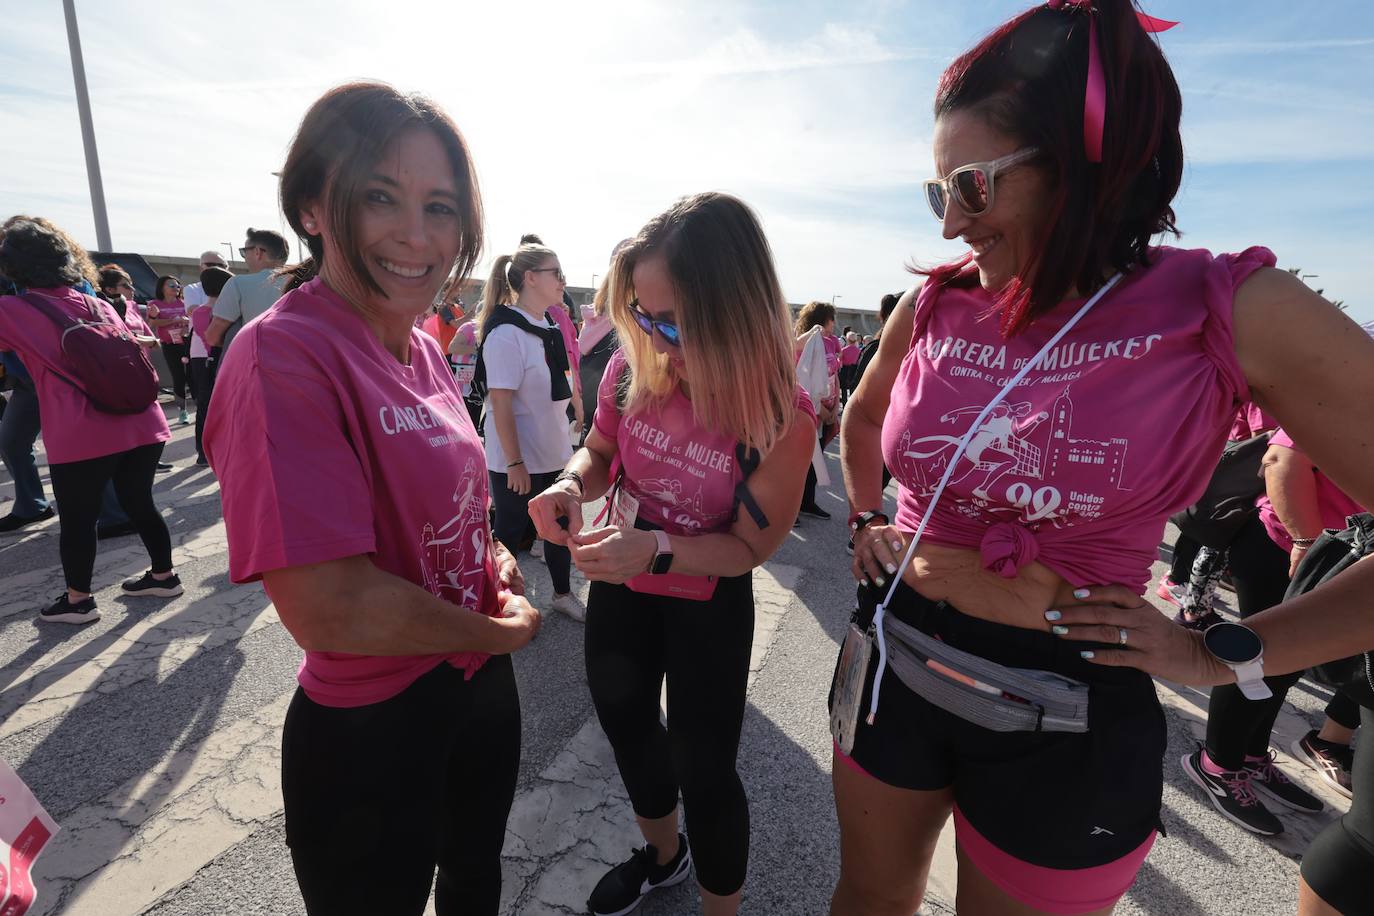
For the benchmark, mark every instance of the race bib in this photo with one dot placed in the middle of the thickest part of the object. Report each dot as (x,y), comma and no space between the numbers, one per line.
(624,509)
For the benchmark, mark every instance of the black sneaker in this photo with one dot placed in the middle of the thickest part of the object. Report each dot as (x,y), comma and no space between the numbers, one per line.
(815,510)
(1232,794)
(622,888)
(153,588)
(1332,760)
(1269,780)
(63,611)
(164,465)
(14,522)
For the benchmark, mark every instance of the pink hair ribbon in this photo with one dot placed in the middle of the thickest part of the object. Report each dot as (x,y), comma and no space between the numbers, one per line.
(1095,96)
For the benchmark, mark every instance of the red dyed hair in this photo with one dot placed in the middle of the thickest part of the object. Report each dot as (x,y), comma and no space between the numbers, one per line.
(1027,78)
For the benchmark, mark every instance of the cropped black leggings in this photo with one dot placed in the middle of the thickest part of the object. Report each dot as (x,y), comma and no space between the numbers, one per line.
(1237,727)
(80,486)
(380,796)
(1340,860)
(512,517)
(633,642)
(180,372)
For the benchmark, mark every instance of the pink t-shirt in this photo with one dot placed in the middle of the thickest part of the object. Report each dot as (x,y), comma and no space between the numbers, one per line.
(201,316)
(326,447)
(569,330)
(1082,464)
(849,354)
(163,310)
(1251,420)
(1332,502)
(832,353)
(73,429)
(134,321)
(684,476)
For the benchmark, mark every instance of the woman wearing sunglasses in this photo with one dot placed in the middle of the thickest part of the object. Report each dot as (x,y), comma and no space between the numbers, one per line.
(167,316)
(1056,185)
(525,361)
(701,441)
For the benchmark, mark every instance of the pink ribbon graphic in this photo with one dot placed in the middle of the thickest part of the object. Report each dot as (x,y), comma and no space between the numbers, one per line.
(1095,95)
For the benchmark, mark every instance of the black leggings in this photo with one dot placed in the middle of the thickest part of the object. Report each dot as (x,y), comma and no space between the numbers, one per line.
(512,517)
(80,487)
(1237,727)
(1340,860)
(202,384)
(173,353)
(632,642)
(378,796)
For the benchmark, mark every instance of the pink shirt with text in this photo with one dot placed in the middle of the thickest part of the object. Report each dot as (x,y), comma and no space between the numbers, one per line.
(162,310)
(326,447)
(73,429)
(1332,503)
(684,476)
(1119,427)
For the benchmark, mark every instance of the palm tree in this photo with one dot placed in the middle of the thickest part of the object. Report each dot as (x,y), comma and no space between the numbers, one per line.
(1297,272)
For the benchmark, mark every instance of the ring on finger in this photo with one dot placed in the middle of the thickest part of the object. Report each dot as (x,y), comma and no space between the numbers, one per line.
(1121,636)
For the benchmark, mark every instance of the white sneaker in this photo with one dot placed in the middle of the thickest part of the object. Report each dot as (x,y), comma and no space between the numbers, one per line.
(570,606)
(537,549)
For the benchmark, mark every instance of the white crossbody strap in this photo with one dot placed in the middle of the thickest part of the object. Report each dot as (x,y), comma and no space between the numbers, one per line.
(949,471)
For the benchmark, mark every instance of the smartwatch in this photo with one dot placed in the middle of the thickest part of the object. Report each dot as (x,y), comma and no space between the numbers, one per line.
(663,558)
(861,520)
(1239,648)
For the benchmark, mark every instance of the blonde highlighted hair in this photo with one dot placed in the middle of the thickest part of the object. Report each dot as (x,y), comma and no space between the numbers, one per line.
(508,278)
(737,347)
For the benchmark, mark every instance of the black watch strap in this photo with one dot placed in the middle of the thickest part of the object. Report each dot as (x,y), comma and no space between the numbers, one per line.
(861,520)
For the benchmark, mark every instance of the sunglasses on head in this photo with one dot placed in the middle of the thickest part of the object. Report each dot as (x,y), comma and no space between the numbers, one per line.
(971,186)
(666,329)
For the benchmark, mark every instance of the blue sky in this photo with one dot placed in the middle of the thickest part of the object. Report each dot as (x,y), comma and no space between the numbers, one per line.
(586,119)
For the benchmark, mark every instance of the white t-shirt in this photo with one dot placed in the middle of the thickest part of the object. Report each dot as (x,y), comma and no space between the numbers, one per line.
(194,296)
(514,361)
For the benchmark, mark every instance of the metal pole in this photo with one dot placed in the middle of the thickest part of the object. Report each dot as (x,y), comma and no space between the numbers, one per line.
(230,246)
(83,105)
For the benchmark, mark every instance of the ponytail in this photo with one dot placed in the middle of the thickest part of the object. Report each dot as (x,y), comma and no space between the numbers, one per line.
(497,292)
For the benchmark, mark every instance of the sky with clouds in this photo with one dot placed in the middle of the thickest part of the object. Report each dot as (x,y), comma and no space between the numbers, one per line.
(588,118)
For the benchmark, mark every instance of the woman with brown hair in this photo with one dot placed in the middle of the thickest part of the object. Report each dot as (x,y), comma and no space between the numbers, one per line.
(698,416)
(401,746)
(817,319)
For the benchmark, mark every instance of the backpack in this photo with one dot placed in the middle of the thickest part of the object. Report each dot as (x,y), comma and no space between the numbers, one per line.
(1329,555)
(102,360)
(1229,500)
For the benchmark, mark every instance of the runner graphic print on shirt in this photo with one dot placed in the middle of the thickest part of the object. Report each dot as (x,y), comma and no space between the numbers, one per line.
(455,553)
(1012,451)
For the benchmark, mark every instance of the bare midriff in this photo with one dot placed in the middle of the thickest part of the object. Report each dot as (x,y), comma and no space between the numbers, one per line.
(956,575)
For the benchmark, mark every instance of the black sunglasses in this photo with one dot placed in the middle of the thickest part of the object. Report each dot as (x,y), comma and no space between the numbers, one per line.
(666,329)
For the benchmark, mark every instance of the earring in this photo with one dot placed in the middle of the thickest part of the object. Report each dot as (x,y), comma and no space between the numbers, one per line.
(310,227)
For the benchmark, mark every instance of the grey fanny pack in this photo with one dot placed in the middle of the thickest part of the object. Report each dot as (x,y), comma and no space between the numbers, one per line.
(980,691)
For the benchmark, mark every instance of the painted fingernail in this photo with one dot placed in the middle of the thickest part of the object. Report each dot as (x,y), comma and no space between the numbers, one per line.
(1086,653)
(1081,593)
(896,545)
(864,583)
(1059,630)
(881,581)
(1053,615)
(891,568)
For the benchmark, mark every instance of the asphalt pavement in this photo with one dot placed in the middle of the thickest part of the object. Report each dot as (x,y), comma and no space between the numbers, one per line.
(152,736)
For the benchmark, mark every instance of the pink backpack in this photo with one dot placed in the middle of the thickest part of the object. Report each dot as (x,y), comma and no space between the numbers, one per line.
(102,359)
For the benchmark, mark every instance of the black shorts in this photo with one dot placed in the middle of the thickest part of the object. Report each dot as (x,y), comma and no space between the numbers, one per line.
(1051,799)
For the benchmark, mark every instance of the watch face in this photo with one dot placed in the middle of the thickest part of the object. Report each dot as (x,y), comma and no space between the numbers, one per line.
(1233,643)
